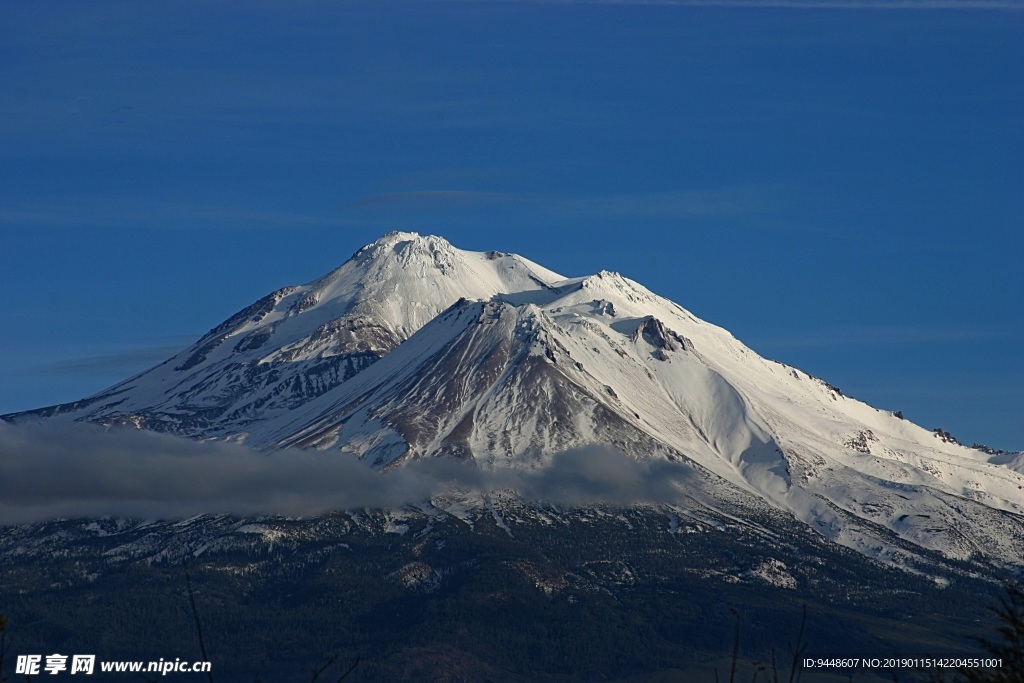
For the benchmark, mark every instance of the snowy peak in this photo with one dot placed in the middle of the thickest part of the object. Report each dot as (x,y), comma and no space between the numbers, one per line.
(403,280)
(413,348)
(407,279)
(434,394)
(502,383)
(299,342)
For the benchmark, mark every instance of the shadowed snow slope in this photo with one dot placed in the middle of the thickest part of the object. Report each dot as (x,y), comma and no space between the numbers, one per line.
(414,349)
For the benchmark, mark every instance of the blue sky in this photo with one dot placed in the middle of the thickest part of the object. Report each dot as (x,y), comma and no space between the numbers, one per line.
(840,184)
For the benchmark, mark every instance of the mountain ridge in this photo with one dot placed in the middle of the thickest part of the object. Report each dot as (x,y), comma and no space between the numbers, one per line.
(413,348)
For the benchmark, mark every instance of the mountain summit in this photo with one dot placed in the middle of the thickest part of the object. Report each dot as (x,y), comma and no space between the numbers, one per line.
(414,349)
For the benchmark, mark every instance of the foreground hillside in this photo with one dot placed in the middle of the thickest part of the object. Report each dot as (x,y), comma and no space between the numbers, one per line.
(508,592)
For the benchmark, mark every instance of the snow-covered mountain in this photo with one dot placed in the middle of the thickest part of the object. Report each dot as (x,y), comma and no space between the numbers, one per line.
(414,348)
(302,341)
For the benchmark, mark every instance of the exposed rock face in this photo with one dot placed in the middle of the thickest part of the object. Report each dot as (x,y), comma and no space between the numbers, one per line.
(654,332)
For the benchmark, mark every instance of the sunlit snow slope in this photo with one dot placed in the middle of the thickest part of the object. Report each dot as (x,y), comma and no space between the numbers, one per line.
(414,348)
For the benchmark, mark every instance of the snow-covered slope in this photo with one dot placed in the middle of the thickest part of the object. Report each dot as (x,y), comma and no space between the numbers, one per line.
(414,349)
(301,341)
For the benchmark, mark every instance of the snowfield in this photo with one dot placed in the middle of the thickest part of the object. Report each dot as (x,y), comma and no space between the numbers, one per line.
(415,349)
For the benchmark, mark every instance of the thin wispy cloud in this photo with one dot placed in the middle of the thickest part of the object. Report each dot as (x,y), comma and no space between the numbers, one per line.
(434,199)
(1000,5)
(874,335)
(65,470)
(115,213)
(111,363)
(730,201)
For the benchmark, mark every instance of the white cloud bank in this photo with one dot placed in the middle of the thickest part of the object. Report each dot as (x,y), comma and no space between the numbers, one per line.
(68,470)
